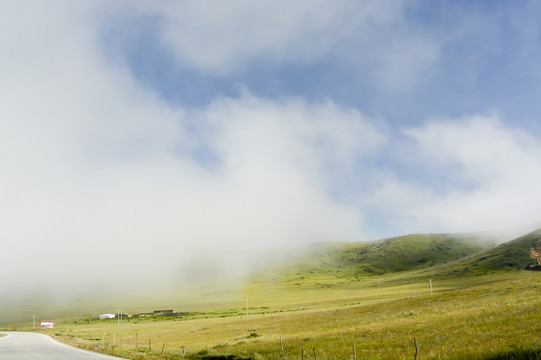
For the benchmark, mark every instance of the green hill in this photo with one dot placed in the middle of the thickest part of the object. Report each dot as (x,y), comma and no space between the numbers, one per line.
(413,255)
(512,255)
(383,257)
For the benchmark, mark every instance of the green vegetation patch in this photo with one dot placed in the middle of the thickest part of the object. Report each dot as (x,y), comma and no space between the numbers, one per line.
(514,254)
(326,263)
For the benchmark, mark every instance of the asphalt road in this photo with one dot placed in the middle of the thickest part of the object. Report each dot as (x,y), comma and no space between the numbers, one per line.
(32,346)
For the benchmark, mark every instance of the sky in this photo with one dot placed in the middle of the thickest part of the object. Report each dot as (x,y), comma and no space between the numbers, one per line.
(142,140)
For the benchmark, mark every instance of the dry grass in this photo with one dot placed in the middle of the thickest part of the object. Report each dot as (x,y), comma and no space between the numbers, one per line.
(477,322)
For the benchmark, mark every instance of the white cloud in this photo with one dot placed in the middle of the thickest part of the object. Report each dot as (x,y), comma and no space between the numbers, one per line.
(224,37)
(131,200)
(491,171)
(302,135)
(486,150)
(100,180)
(373,37)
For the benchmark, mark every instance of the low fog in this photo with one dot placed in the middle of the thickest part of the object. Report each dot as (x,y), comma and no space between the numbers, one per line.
(105,184)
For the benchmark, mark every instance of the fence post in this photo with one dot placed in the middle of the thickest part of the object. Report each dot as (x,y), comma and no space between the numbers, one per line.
(282,346)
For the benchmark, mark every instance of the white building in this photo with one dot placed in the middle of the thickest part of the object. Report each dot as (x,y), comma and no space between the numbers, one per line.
(106,316)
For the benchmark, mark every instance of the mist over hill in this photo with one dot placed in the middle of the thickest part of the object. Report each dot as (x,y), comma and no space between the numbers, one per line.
(325,264)
(410,256)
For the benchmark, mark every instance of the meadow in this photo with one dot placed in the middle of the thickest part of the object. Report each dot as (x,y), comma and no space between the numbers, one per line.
(498,320)
(345,302)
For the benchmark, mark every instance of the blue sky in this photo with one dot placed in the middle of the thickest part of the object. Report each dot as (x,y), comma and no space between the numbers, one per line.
(226,130)
(484,56)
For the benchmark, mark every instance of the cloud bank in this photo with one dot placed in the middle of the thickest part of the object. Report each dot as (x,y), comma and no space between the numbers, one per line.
(104,180)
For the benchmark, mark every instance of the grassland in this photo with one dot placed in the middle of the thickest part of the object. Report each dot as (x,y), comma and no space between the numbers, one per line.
(480,322)
(371,297)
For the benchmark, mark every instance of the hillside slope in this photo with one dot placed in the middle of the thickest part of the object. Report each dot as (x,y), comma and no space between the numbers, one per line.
(387,256)
(414,256)
(514,255)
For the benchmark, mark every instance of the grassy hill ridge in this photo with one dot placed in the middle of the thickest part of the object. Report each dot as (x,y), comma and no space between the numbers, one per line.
(514,254)
(383,257)
(400,260)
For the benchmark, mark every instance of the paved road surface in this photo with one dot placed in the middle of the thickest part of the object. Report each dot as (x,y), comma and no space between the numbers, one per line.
(32,346)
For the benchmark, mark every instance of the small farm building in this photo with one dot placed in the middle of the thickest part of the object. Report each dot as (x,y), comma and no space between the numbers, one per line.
(106,316)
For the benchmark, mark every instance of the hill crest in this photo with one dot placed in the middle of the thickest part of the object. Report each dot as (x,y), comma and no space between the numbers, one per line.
(444,254)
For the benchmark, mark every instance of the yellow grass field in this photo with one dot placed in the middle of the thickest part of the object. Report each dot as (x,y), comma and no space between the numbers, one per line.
(462,319)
